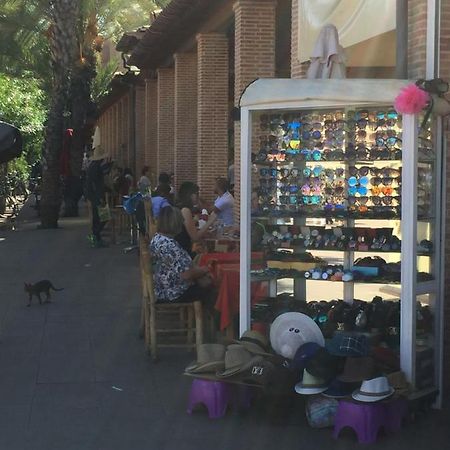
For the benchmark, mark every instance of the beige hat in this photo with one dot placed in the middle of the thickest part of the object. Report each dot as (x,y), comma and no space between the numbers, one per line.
(210,358)
(310,384)
(254,342)
(237,360)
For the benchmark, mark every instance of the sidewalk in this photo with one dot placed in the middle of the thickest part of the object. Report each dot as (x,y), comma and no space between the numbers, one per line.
(74,374)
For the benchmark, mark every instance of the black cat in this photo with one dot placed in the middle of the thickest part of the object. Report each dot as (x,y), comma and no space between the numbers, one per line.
(38,288)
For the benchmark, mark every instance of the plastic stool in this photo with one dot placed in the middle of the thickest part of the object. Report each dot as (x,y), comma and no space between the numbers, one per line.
(395,411)
(365,419)
(215,395)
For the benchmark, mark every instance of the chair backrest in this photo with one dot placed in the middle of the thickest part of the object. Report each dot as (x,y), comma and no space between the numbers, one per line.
(146,269)
(150,222)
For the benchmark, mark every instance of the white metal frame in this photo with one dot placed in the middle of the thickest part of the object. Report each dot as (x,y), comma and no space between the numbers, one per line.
(274,95)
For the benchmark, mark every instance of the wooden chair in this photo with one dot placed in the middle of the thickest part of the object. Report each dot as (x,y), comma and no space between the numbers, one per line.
(182,320)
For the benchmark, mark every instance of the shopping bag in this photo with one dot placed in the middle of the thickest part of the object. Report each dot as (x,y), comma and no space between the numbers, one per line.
(104,213)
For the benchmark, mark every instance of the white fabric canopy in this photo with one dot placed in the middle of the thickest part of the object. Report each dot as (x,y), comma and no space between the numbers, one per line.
(355,20)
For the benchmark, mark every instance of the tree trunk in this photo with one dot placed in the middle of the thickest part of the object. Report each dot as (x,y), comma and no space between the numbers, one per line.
(62,39)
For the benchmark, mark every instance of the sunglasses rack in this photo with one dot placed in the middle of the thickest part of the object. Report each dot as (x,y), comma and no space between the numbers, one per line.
(341,169)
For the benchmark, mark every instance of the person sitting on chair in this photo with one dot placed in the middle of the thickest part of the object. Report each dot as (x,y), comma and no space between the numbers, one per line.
(177,278)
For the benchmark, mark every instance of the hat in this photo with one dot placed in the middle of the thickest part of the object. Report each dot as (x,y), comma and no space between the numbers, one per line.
(357,369)
(339,389)
(310,384)
(210,358)
(254,342)
(398,381)
(373,390)
(323,365)
(237,359)
(291,330)
(303,354)
(348,344)
(259,372)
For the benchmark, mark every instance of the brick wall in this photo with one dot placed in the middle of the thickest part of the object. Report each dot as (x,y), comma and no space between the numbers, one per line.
(417,32)
(140,130)
(255,28)
(185,159)
(165,134)
(445,73)
(298,70)
(212,114)
(151,127)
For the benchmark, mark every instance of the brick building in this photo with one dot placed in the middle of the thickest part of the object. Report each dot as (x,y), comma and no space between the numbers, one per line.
(198,56)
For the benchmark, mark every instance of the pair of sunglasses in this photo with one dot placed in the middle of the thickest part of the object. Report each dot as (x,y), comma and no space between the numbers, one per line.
(385,190)
(387,200)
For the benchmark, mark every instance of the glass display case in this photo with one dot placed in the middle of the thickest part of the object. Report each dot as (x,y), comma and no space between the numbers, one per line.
(343,197)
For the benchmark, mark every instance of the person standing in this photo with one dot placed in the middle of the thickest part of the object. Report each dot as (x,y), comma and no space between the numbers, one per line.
(144,184)
(95,191)
(224,203)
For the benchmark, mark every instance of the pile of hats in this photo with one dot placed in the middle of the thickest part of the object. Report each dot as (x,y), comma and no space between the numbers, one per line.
(247,360)
(342,369)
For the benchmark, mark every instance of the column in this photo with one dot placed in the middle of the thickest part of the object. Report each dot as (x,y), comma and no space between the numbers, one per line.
(185,158)
(140,129)
(165,134)
(213,110)
(255,27)
(151,127)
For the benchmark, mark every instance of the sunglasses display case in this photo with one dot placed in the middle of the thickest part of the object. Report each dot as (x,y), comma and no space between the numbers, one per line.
(344,197)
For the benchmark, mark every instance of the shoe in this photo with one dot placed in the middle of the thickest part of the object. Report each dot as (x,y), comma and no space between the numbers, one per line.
(90,238)
(100,244)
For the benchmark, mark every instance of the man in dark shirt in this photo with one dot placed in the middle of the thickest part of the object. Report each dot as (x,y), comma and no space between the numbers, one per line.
(95,191)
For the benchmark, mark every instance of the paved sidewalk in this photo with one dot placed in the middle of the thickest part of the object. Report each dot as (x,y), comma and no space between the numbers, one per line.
(75,376)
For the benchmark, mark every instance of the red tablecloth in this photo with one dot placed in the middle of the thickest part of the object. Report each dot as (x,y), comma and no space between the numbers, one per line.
(228,298)
(225,271)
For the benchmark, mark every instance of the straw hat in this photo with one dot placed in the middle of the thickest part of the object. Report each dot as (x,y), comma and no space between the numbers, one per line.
(310,384)
(237,360)
(210,358)
(373,390)
(254,342)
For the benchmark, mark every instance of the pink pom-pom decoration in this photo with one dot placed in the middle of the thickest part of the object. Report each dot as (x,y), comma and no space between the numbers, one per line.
(411,100)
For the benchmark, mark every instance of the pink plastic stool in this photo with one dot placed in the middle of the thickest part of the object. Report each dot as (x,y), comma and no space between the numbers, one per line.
(365,419)
(395,411)
(215,395)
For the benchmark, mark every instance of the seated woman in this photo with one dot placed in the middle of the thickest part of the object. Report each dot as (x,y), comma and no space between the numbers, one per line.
(175,275)
(187,200)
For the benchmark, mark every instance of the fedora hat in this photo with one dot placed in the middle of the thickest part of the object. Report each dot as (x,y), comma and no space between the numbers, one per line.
(399,382)
(210,358)
(255,342)
(339,389)
(291,330)
(348,344)
(373,390)
(324,365)
(357,369)
(310,384)
(260,371)
(237,359)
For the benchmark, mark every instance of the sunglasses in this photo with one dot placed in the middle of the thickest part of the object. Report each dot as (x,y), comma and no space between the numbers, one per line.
(311,155)
(376,181)
(387,200)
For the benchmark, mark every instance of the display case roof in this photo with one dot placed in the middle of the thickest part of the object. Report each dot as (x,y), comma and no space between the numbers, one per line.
(266,93)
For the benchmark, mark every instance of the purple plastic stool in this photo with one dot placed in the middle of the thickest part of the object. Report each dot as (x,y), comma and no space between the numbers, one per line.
(395,411)
(365,419)
(215,395)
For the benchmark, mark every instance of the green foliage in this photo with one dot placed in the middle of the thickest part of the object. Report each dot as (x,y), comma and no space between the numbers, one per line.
(101,83)
(24,104)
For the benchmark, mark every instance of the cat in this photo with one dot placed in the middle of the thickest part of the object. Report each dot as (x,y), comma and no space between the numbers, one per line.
(38,288)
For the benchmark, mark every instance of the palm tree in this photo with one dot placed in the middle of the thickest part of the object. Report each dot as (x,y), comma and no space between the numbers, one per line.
(62,39)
